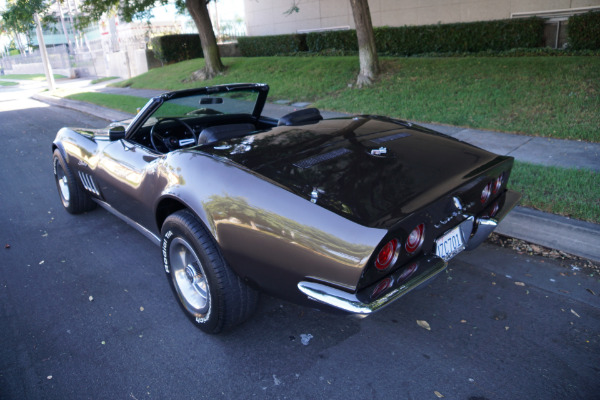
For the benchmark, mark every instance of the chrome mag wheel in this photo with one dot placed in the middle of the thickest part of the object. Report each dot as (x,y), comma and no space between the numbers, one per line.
(63,182)
(189,278)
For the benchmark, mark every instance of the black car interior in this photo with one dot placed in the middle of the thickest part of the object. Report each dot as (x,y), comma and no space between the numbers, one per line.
(171,133)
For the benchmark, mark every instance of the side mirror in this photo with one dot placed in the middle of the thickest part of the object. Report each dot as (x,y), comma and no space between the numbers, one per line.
(116,133)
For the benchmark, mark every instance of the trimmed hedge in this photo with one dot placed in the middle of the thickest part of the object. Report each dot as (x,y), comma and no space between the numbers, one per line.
(263,46)
(469,37)
(318,42)
(584,31)
(499,35)
(176,48)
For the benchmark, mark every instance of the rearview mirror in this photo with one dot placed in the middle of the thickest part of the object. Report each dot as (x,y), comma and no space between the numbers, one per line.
(116,133)
(211,100)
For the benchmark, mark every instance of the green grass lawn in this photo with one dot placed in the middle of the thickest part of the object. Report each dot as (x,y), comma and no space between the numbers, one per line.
(8,83)
(119,102)
(544,96)
(105,79)
(30,77)
(570,192)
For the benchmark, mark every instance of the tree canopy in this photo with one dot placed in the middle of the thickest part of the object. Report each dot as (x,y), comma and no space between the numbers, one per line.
(139,9)
(18,17)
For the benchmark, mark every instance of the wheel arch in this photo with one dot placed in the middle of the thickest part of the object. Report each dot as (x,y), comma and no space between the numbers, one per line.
(169,205)
(58,146)
(165,207)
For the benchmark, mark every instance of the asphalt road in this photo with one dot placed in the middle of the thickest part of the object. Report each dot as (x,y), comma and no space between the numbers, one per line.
(86,313)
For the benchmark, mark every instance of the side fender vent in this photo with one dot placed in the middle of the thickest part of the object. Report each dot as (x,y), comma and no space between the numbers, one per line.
(88,183)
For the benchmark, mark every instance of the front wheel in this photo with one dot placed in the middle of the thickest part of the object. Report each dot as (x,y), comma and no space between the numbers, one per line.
(209,292)
(73,197)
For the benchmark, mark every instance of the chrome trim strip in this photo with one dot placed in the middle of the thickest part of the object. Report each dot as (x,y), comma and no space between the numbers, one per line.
(93,185)
(351,302)
(88,183)
(153,238)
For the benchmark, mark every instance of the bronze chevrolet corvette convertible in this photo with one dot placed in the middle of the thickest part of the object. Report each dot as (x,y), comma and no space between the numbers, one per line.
(345,213)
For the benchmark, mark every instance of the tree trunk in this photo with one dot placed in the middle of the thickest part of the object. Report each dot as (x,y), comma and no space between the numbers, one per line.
(199,11)
(20,44)
(367,53)
(64,27)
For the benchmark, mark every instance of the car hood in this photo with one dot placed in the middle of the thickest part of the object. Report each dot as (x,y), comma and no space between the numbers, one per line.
(361,167)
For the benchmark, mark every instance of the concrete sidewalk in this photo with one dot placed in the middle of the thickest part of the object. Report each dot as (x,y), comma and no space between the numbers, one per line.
(571,236)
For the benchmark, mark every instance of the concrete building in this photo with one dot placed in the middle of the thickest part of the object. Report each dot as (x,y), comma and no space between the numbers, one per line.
(270,17)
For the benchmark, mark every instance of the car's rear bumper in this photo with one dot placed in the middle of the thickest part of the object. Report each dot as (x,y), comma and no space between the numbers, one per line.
(475,229)
(380,294)
(485,224)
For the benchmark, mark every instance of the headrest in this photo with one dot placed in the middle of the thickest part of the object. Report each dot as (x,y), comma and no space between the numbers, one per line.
(223,132)
(304,116)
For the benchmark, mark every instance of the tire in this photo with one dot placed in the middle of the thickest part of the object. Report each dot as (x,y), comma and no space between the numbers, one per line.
(210,293)
(72,195)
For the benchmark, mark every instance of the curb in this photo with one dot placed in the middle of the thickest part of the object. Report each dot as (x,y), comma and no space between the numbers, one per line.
(571,236)
(107,114)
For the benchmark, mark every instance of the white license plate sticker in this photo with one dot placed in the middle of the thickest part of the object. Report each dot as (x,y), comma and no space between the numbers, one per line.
(450,244)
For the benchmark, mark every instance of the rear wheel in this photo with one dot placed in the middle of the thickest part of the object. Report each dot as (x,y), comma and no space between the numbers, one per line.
(73,197)
(210,293)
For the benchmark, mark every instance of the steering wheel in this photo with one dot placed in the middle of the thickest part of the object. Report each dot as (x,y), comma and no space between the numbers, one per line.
(171,142)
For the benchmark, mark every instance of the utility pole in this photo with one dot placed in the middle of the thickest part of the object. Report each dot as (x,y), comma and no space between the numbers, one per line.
(42,45)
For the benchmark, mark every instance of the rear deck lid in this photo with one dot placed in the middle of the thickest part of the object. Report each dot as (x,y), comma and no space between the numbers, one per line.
(364,168)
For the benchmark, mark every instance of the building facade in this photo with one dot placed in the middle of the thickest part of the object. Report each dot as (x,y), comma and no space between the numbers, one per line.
(274,17)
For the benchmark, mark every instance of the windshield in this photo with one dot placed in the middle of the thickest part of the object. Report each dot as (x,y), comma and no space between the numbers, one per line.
(213,104)
(183,115)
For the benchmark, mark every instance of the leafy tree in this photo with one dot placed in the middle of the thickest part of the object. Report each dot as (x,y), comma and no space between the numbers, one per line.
(18,17)
(135,9)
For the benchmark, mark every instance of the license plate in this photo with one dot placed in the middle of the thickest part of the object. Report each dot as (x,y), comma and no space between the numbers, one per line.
(449,244)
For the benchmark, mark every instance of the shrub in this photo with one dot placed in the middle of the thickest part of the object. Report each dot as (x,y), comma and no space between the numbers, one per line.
(264,46)
(584,31)
(498,35)
(176,48)
(319,42)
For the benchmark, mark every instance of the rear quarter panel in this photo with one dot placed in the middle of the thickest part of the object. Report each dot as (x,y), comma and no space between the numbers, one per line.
(269,236)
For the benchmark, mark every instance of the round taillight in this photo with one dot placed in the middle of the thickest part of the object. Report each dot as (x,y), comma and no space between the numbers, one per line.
(494,210)
(387,255)
(381,287)
(408,272)
(415,239)
(498,184)
(486,193)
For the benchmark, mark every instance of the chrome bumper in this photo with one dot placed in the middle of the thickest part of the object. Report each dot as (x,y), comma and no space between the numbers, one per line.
(484,226)
(369,299)
(366,301)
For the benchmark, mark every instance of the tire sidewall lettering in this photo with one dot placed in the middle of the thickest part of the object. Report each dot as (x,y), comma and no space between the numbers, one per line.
(165,250)
(168,236)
